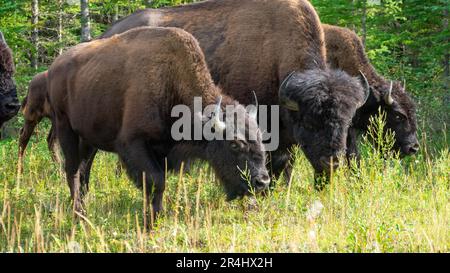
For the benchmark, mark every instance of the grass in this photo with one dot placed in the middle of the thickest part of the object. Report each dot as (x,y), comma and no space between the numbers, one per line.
(383,206)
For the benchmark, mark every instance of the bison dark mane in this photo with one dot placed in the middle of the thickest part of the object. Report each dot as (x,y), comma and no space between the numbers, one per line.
(6,60)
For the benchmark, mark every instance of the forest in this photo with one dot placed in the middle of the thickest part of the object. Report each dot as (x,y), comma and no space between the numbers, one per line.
(406,39)
(390,205)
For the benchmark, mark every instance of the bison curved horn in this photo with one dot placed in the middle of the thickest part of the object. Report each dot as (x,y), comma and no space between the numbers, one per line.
(404,84)
(216,122)
(388,96)
(366,87)
(2,38)
(285,100)
(253,112)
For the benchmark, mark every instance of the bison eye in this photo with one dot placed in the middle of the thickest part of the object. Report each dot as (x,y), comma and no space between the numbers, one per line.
(257,157)
(399,116)
(238,145)
(234,146)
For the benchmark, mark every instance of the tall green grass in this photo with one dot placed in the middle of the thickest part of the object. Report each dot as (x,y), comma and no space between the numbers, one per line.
(382,205)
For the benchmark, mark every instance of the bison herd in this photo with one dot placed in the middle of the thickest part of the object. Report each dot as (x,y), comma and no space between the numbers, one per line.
(116,94)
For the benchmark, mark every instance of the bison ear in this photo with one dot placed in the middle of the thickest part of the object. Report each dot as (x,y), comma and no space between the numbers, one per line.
(285,100)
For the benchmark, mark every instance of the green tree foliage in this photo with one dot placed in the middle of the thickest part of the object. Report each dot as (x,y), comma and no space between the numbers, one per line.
(405,39)
(15,22)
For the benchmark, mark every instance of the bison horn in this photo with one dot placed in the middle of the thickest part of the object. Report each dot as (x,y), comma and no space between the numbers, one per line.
(253,112)
(388,96)
(217,123)
(404,84)
(366,87)
(2,38)
(285,101)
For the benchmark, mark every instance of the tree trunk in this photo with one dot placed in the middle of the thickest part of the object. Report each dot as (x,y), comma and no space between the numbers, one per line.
(364,22)
(35,33)
(354,12)
(116,13)
(85,23)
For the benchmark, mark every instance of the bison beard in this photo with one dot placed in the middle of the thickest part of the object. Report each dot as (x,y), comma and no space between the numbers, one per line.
(253,45)
(346,51)
(142,74)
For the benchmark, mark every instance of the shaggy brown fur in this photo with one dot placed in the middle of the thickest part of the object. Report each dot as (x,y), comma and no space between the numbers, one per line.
(117,95)
(252,45)
(7,68)
(249,44)
(346,51)
(9,104)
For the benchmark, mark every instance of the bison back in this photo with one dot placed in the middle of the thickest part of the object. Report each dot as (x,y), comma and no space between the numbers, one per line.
(125,86)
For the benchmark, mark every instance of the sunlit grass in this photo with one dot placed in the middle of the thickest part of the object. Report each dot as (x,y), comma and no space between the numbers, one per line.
(384,205)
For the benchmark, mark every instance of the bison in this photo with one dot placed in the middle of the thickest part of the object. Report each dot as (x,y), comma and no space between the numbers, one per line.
(256,45)
(346,51)
(117,94)
(9,104)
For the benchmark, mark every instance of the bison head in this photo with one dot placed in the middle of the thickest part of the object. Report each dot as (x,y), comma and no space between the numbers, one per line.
(320,106)
(400,115)
(9,104)
(239,160)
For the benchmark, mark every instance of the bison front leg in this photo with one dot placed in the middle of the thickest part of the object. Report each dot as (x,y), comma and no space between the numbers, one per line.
(87,155)
(352,145)
(69,142)
(142,166)
(52,145)
(120,166)
(281,162)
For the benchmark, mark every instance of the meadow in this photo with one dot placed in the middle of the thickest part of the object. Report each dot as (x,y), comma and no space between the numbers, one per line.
(385,204)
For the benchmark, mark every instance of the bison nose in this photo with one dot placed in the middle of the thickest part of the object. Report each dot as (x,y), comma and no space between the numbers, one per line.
(414,148)
(11,105)
(262,182)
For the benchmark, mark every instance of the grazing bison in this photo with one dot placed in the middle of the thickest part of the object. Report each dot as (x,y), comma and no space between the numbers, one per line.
(9,104)
(255,45)
(346,51)
(117,95)
(35,107)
